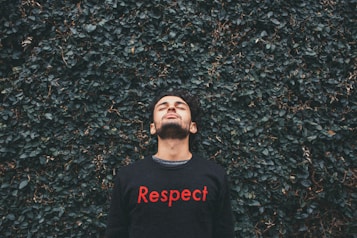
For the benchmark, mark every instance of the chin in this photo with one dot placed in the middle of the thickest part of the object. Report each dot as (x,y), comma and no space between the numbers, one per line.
(172,131)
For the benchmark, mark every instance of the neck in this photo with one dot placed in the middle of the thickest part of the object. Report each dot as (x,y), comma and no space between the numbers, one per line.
(173,149)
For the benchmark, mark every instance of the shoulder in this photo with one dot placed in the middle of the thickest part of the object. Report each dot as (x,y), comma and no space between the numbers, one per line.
(209,165)
(133,169)
(212,171)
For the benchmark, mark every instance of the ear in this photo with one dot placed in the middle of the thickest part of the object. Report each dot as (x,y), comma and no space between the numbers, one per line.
(193,128)
(152,129)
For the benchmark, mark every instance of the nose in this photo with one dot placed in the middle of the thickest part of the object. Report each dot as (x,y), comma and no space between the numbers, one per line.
(171,108)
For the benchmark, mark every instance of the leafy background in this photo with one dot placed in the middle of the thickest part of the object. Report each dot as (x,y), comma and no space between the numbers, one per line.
(277,80)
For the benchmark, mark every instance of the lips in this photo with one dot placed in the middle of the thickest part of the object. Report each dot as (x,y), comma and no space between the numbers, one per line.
(171,116)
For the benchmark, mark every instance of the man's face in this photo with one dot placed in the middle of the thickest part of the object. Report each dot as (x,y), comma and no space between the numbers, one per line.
(172,119)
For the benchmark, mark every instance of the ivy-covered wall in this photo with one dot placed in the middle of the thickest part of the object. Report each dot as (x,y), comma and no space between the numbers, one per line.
(277,80)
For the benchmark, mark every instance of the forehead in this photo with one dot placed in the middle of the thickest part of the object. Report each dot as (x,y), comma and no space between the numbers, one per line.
(170,100)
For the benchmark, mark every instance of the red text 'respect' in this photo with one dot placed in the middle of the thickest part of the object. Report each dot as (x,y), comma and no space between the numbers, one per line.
(171,196)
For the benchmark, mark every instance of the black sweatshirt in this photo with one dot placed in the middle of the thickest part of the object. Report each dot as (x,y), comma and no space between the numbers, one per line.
(151,200)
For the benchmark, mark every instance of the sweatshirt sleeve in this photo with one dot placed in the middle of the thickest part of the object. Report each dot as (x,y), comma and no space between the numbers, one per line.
(223,219)
(117,225)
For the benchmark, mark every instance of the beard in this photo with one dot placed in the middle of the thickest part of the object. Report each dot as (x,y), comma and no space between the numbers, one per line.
(172,131)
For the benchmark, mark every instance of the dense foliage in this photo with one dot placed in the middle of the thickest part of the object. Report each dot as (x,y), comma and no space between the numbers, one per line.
(277,80)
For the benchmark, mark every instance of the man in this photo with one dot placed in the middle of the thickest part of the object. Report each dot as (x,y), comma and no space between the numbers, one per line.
(172,194)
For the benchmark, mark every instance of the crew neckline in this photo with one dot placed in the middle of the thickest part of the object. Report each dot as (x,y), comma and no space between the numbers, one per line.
(169,163)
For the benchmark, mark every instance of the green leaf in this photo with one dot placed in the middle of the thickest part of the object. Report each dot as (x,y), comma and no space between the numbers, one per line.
(90,28)
(23,184)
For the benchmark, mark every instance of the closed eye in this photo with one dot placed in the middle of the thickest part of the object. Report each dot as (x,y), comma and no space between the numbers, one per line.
(162,107)
(181,105)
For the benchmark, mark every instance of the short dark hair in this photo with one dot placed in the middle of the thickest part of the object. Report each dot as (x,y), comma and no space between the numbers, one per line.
(192,101)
